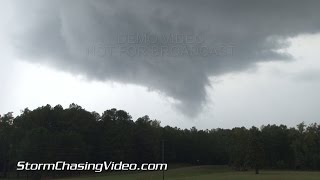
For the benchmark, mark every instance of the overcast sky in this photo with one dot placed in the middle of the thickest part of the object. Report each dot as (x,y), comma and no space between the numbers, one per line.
(187,63)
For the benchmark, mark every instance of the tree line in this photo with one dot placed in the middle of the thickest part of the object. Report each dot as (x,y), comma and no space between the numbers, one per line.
(49,134)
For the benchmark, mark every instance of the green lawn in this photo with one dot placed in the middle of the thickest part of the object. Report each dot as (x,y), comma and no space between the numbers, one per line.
(207,173)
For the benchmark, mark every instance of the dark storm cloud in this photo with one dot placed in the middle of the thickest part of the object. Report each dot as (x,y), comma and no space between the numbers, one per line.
(73,36)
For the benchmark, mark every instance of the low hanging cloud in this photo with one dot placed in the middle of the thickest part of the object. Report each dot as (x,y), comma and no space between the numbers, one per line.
(171,47)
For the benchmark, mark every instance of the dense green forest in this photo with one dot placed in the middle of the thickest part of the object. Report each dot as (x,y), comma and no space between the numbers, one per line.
(50,134)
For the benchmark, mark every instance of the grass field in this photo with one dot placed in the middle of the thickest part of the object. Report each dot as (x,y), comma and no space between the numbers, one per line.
(207,173)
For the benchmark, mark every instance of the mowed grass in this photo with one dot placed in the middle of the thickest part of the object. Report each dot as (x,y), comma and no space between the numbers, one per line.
(206,173)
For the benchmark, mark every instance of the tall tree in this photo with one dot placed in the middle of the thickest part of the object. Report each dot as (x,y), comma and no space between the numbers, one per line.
(256,152)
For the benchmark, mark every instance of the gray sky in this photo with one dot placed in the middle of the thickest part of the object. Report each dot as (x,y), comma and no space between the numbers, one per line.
(257,62)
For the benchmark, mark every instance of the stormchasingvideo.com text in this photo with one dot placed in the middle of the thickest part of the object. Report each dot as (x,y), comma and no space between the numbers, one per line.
(96,167)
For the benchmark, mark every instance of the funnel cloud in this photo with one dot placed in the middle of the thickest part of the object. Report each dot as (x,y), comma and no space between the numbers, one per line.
(189,41)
